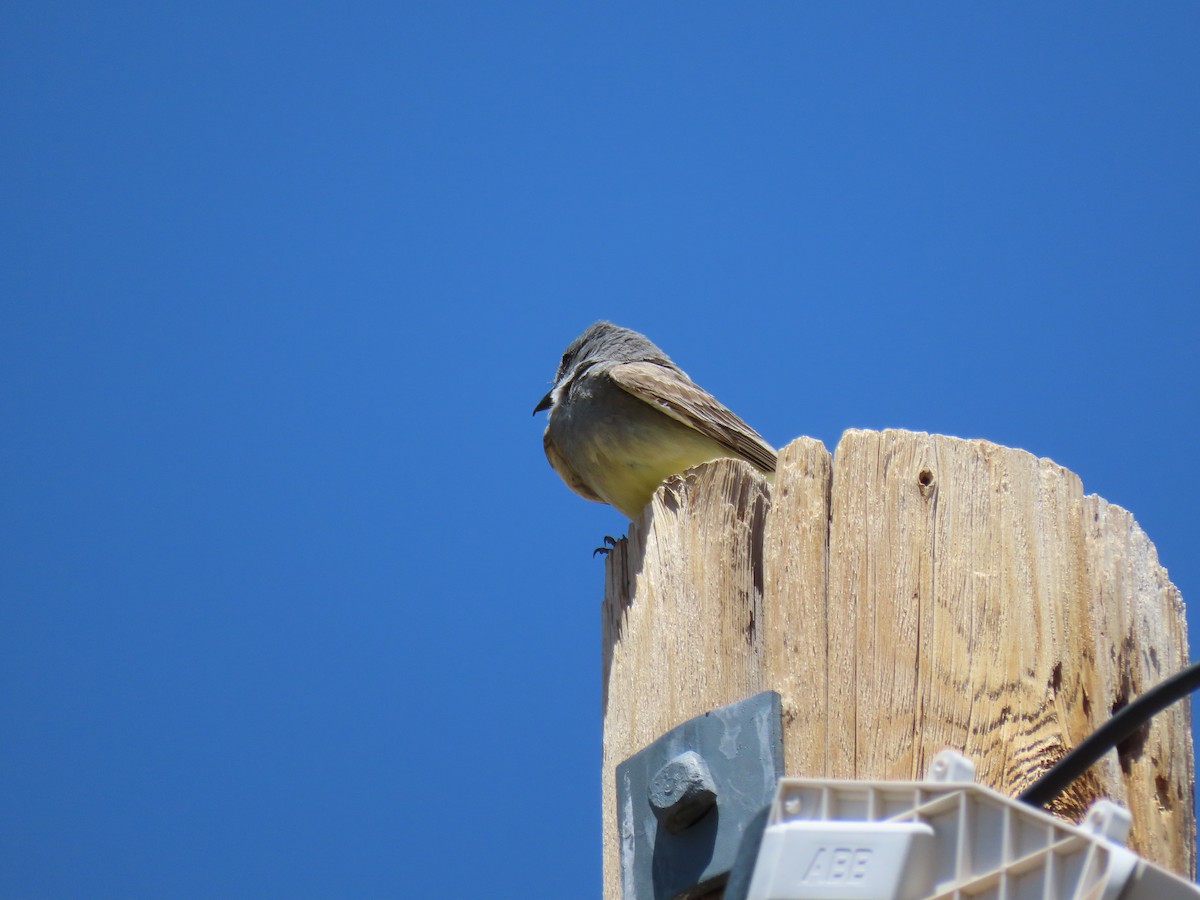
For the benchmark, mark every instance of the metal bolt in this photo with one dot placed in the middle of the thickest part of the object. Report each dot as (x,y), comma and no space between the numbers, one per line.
(682,791)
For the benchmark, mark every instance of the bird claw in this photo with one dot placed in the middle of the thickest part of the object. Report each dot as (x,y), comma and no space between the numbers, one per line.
(607,546)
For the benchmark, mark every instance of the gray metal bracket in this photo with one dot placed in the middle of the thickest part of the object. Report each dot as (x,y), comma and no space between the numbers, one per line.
(684,801)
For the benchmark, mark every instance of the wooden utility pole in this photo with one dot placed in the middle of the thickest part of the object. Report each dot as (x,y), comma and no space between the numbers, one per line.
(911,593)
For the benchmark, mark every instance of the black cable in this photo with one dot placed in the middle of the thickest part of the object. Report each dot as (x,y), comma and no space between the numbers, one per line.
(1124,723)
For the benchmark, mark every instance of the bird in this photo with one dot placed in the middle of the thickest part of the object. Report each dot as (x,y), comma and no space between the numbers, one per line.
(623,418)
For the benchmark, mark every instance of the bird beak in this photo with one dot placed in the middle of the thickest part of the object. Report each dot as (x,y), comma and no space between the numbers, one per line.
(544,403)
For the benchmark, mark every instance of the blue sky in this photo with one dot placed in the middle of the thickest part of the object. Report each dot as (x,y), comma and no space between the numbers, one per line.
(291,603)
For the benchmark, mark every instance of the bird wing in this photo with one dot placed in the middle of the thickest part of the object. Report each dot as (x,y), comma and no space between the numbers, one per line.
(668,389)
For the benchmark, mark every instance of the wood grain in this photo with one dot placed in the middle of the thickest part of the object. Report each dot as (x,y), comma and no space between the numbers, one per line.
(1141,638)
(682,615)
(796,622)
(912,593)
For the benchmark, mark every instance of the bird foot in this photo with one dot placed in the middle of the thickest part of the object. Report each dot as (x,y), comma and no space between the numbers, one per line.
(606,547)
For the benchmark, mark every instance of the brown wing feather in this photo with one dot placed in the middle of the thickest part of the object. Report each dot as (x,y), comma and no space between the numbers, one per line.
(682,399)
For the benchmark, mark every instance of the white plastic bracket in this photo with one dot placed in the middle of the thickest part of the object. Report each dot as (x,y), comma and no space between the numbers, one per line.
(950,767)
(1111,822)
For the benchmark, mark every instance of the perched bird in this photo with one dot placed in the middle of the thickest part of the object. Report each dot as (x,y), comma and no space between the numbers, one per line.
(623,418)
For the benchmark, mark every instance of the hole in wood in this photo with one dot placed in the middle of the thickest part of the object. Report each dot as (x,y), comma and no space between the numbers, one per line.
(925,483)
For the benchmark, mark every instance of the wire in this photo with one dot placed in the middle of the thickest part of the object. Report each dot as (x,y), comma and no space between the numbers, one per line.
(1126,721)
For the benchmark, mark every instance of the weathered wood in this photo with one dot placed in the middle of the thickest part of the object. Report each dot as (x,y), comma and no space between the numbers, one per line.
(1141,629)
(955,560)
(797,661)
(915,592)
(683,603)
